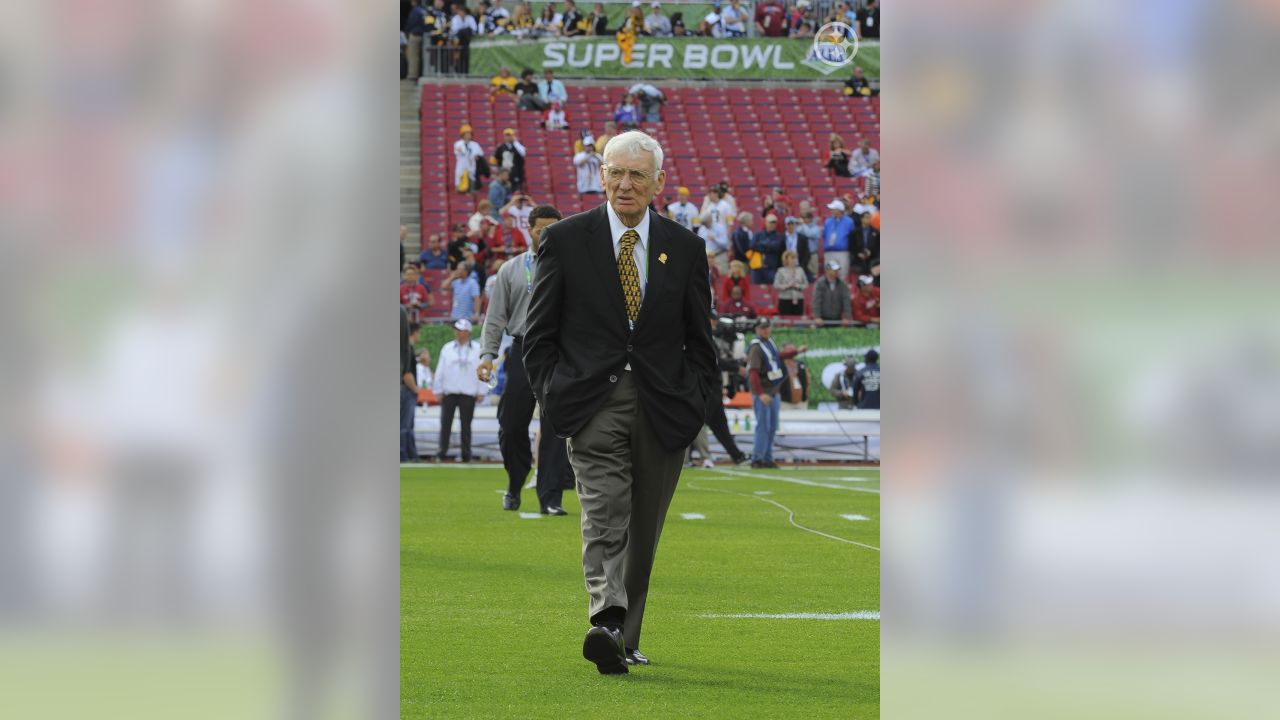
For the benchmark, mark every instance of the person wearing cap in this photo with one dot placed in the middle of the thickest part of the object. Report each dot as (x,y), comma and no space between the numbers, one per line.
(587,161)
(842,384)
(771,18)
(790,282)
(650,100)
(682,211)
(835,235)
(466,152)
(657,24)
(508,311)
(831,304)
(619,353)
(765,375)
(866,303)
(866,383)
(796,243)
(456,386)
(770,243)
(510,156)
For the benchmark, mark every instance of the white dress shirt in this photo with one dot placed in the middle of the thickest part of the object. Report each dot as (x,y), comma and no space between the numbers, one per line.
(456,370)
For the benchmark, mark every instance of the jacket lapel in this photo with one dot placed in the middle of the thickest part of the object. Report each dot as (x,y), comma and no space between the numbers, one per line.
(600,248)
(659,246)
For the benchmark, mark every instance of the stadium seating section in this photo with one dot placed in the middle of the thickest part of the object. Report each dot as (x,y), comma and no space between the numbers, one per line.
(752,137)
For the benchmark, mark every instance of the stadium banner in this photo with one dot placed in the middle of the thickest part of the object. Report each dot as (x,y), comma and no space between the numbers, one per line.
(691,58)
(828,348)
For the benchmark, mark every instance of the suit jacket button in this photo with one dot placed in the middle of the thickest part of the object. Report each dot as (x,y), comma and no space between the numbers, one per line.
(613,378)
(629,348)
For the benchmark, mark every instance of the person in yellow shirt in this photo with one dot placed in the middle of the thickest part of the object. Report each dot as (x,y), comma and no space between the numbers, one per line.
(504,83)
(631,27)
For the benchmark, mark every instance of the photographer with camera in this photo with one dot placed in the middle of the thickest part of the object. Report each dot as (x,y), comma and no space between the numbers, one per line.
(767,374)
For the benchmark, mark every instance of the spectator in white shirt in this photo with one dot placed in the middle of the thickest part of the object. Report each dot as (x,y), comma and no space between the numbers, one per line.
(734,18)
(650,100)
(555,118)
(863,157)
(682,211)
(716,216)
(465,152)
(657,24)
(457,387)
(587,161)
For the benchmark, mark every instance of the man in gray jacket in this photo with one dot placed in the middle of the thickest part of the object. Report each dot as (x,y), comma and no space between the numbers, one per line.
(508,308)
(831,303)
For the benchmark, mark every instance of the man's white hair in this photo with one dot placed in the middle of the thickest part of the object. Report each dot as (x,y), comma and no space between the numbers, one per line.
(634,141)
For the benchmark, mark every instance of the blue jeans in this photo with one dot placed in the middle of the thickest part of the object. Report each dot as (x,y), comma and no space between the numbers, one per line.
(766,427)
(408,403)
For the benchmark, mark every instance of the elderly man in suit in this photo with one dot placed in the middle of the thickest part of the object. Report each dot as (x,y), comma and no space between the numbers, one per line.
(619,353)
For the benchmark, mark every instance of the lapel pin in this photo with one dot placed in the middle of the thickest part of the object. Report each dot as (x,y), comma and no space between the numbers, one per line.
(662,258)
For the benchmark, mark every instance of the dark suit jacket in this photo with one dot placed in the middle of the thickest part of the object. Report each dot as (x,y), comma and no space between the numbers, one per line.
(577,335)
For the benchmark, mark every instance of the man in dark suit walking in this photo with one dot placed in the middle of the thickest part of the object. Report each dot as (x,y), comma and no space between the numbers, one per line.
(618,350)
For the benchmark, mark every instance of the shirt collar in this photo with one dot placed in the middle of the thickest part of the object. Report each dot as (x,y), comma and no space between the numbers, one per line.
(616,228)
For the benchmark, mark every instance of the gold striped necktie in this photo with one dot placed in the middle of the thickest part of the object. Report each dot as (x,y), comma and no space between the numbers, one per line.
(627,273)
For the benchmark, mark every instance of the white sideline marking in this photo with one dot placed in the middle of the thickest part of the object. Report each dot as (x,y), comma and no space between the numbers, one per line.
(855,517)
(453,465)
(693,516)
(863,615)
(797,481)
(530,516)
(855,478)
(762,492)
(829,468)
(791,516)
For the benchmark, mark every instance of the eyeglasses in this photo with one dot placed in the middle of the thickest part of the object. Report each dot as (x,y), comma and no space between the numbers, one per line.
(614,174)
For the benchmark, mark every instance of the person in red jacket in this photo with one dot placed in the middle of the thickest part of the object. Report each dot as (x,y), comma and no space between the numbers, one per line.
(737,278)
(866,302)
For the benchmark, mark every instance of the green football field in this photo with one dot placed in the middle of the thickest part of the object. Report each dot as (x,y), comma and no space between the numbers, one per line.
(493,606)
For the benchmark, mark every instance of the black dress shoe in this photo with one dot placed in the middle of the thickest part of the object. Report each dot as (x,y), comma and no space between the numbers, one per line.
(603,646)
(510,503)
(635,657)
(553,510)
(771,465)
(757,464)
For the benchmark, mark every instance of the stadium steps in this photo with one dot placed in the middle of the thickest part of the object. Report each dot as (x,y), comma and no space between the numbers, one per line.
(410,167)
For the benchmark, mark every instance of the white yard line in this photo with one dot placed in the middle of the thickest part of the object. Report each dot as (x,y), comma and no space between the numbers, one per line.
(791,515)
(530,516)
(862,615)
(693,516)
(795,481)
(855,517)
